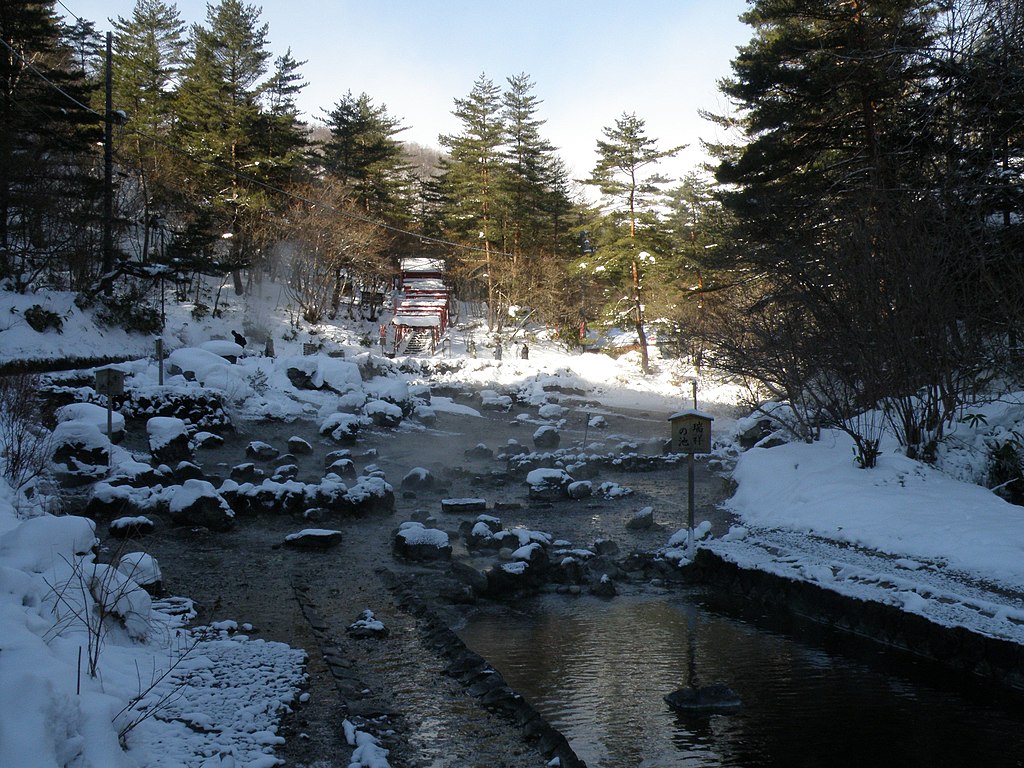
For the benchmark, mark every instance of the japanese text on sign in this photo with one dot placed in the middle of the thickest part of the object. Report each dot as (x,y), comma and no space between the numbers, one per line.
(691,434)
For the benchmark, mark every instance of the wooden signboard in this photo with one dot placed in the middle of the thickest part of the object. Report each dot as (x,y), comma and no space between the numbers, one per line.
(691,432)
(109,381)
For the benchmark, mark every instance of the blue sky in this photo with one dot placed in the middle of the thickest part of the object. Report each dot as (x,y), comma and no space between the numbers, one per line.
(591,60)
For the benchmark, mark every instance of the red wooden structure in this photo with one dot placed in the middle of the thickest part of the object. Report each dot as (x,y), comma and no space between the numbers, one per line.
(422,300)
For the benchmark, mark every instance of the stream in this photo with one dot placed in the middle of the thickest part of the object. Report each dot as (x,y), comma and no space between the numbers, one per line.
(597,670)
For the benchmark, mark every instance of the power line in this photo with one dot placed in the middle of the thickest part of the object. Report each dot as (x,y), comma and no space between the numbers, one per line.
(74,15)
(252,179)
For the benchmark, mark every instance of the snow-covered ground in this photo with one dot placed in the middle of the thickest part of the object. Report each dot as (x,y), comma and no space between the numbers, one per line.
(904,532)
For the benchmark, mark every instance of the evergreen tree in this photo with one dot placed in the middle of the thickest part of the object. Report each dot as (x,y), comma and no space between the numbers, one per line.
(844,216)
(219,112)
(534,191)
(49,191)
(985,125)
(695,273)
(147,56)
(364,155)
(470,183)
(630,237)
(280,132)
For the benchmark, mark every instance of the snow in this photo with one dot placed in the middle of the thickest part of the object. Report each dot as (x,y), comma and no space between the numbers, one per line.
(91,413)
(162,430)
(417,533)
(926,538)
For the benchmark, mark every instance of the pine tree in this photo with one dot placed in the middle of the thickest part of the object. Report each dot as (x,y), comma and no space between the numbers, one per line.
(280,131)
(630,230)
(147,56)
(842,203)
(534,193)
(48,188)
(364,155)
(471,179)
(695,273)
(985,124)
(219,111)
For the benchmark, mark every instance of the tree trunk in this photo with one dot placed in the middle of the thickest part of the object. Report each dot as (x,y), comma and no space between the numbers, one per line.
(638,319)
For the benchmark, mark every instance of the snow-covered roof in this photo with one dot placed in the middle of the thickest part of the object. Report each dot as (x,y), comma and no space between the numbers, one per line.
(417,321)
(691,412)
(420,264)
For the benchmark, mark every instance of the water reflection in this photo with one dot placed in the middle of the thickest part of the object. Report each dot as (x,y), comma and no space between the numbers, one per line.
(598,670)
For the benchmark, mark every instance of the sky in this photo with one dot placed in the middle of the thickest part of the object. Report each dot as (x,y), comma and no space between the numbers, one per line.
(591,60)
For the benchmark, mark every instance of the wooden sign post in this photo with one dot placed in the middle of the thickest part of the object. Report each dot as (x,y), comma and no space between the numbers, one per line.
(691,434)
(109,382)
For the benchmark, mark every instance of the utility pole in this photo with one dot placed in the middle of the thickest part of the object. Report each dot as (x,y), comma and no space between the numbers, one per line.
(108,170)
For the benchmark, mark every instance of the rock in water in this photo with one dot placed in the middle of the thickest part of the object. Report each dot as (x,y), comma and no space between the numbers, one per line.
(704,698)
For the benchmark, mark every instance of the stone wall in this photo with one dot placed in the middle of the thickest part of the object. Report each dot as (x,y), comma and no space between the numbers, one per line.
(990,659)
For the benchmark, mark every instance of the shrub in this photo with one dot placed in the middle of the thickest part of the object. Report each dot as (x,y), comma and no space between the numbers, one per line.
(129,311)
(24,442)
(40,319)
(1006,470)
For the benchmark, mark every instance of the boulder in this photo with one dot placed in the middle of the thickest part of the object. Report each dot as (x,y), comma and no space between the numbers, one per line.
(197,503)
(705,698)
(383,413)
(535,554)
(299,446)
(641,520)
(463,506)
(247,473)
(603,586)
(333,456)
(549,484)
(426,415)
(143,569)
(417,479)
(286,472)
(509,579)
(168,439)
(581,489)
(510,449)
(188,470)
(94,414)
(479,451)
(207,440)
(492,401)
(414,541)
(367,626)
(313,539)
(606,547)
(342,427)
(472,577)
(130,527)
(546,438)
(481,534)
(343,468)
(372,495)
(261,451)
(551,411)
(83,451)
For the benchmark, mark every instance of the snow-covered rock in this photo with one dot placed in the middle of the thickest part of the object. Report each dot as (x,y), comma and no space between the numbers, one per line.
(414,541)
(418,478)
(197,502)
(546,437)
(93,414)
(549,483)
(168,439)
